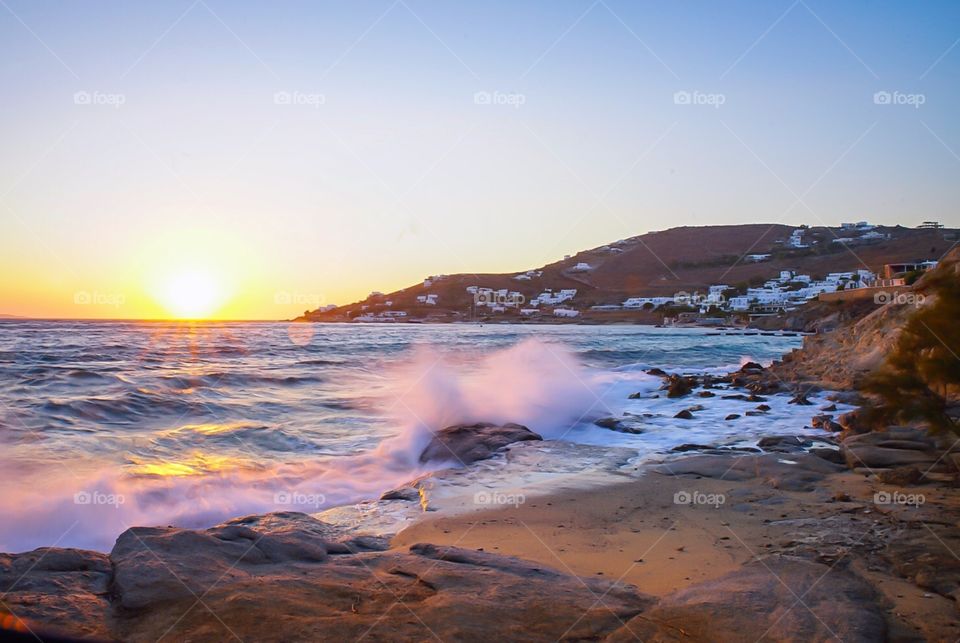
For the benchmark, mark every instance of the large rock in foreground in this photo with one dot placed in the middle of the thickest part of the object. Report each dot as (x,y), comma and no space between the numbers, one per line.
(466,443)
(774,599)
(284,577)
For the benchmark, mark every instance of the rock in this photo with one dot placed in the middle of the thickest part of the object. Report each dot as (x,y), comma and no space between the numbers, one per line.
(696,407)
(927,559)
(755,398)
(818,421)
(901,476)
(678,385)
(683,448)
(732,416)
(402,493)
(751,367)
(853,422)
(735,396)
(620,425)
(752,604)
(782,440)
(804,475)
(706,394)
(893,447)
(753,413)
(800,399)
(659,372)
(829,407)
(763,407)
(635,396)
(290,594)
(684,415)
(830,455)
(57,592)
(466,443)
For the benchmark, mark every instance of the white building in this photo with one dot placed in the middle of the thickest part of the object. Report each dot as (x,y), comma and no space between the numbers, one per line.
(565,312)
(758,258)
(581,267)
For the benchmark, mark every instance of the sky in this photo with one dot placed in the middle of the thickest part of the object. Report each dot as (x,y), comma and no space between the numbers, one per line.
(250,160)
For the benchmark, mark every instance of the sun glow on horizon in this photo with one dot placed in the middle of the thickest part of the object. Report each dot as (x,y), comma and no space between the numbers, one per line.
(193,293)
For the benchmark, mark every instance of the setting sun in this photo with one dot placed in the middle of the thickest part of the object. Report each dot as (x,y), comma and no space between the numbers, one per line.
(192,294)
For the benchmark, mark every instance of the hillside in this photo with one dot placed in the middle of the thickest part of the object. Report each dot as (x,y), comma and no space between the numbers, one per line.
(657,264)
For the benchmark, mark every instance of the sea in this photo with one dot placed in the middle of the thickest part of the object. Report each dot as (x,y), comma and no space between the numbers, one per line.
(108,425)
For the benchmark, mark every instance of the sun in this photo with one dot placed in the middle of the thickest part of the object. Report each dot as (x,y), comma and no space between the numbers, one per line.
(192,293)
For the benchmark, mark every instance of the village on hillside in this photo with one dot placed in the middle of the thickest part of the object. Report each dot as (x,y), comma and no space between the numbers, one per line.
(780,291)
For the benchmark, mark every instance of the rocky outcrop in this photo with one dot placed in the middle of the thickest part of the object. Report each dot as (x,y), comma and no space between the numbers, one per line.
(842,358)
(290,577)
(893,447)
(774,599)
(63,591)
(466,443)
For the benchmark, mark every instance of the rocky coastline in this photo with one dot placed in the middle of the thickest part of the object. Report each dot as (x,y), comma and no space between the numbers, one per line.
(846,531)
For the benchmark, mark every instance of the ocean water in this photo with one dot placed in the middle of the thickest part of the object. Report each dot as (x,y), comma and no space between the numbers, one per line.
(106,425)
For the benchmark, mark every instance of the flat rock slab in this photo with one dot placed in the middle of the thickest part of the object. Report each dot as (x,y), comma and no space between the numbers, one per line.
(466,443)
(774,599)
(205,585)
(793,472)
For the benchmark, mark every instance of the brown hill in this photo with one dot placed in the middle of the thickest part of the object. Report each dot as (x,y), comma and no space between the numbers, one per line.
(663,263)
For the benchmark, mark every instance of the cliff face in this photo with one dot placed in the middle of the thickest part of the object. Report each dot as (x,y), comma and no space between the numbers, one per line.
(842,358)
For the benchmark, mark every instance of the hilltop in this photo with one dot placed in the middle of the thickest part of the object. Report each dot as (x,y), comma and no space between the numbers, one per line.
(655,265)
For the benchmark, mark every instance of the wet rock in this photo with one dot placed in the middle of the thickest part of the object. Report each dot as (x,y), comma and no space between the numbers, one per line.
(679,385)
(683,448)
(635,396)
(829,407)
(696,407)
(751,367)
(402,493)
(620,425)
(753,413)
(659,372)
(732,416)
(748,605)
(706,394)
(763,407)
(755,398)
(771,441)
(466,443)
(735,396)
(684,415)
(853,422)
(803,475)
(800,399)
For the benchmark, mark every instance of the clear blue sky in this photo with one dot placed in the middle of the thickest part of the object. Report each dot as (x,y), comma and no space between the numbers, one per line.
(385,165)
